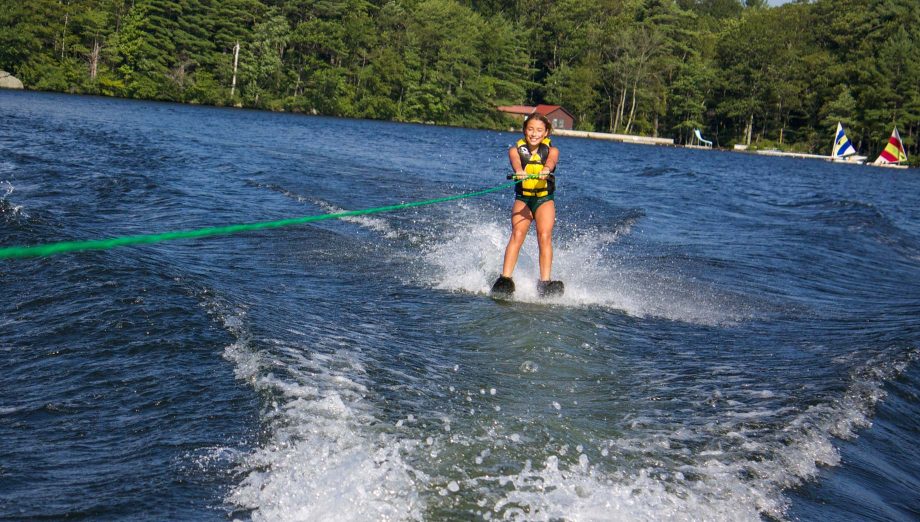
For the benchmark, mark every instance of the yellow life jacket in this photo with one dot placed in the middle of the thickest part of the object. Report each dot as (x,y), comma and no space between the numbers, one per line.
(533,164)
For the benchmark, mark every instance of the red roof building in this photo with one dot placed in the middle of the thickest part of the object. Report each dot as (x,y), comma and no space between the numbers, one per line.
(556,114)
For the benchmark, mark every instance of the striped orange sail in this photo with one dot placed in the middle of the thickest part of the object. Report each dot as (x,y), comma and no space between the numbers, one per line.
(894,151)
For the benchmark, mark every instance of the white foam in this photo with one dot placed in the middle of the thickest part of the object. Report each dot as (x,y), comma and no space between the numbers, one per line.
(215,459)
(375,224)
(7,206)
(323,459)
(321,469)
(581,492)
(468,257)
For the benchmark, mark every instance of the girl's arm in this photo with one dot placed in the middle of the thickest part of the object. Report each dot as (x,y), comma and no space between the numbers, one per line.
(515,159)
(551,162)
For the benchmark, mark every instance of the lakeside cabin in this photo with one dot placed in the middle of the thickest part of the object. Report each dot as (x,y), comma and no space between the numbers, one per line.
(557,115)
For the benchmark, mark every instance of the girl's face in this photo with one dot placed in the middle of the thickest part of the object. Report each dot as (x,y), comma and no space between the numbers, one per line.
(534,132)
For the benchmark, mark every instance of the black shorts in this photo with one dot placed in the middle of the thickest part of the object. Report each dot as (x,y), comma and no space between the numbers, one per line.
(533,202)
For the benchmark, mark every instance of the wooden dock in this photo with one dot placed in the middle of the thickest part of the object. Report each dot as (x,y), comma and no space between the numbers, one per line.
(625,138)
(791,154)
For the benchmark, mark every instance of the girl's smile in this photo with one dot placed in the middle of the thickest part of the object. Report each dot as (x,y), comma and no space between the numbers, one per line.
(534,133)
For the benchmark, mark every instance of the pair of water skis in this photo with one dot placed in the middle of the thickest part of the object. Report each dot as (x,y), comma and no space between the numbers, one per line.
(503,288)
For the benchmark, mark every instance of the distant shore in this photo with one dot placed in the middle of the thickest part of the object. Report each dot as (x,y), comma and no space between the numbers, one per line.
(647,140)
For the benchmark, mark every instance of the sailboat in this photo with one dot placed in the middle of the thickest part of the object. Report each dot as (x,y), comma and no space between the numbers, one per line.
(843,149)
(893,154)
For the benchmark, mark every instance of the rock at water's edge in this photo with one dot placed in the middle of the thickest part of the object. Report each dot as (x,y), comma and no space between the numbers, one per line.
(8,81)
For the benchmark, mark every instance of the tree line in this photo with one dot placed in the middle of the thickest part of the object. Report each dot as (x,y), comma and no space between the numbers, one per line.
(742,72)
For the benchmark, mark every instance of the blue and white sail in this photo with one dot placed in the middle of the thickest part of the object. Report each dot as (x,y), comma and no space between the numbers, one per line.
(842,145)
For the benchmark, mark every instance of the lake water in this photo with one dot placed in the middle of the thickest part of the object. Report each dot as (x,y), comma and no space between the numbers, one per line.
(739,338)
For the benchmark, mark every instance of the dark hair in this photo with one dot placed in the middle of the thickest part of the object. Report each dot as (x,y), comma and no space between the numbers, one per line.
(537,116)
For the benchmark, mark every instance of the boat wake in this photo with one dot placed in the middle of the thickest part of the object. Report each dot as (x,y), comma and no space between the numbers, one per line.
(321,458)
(741,481)
(330,452)
(332,449)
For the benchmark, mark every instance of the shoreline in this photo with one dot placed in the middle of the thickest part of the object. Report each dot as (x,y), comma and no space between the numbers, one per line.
(669,142)
(604,136)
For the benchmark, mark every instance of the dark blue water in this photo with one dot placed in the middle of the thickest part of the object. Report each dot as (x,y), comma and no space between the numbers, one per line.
(738,340)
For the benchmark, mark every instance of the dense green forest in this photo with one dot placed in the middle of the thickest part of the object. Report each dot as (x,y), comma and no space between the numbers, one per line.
(743,72)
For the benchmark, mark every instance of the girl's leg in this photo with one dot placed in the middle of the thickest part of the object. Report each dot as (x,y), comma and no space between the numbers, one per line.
(546,218)
(521,217)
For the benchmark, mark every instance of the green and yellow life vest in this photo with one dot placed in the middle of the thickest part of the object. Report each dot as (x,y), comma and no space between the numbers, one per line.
(533,164)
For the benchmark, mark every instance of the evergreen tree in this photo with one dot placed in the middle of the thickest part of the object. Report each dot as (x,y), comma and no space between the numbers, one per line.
(261,58)
(742,70)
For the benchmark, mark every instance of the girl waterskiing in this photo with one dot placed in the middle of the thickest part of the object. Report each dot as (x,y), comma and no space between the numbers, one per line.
(534,161)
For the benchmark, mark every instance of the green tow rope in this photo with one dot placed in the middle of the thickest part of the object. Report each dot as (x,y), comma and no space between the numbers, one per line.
(106,244)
